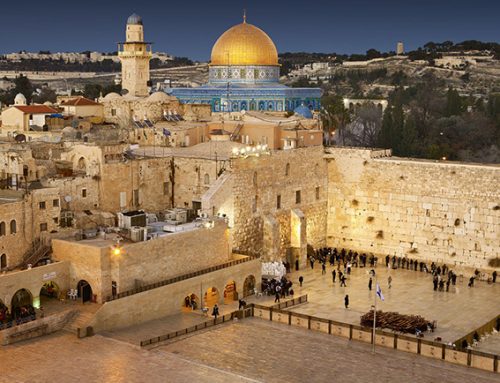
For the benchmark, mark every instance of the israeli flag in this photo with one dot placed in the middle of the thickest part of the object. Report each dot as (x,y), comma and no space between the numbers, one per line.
(379,292)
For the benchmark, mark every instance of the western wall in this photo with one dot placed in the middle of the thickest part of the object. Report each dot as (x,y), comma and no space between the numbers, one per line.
(431,210)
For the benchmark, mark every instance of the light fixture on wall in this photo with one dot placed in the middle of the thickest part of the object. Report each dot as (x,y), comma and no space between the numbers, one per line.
(251,151)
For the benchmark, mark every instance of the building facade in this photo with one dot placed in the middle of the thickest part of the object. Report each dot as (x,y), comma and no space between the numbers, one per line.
(244,75)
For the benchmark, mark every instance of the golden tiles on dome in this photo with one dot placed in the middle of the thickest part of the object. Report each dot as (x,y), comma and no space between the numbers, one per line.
(244,44)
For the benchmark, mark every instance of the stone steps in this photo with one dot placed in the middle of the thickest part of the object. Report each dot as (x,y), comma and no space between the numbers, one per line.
(80,320)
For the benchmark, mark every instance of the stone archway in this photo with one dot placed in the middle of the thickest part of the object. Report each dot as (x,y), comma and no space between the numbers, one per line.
(190,302)
(49,291)
(230,293)
(84,291)
(211,297)
(249,286)
(22,304)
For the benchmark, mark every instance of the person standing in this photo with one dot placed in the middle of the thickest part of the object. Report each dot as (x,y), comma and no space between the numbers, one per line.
(323,268)
(342,281)
(494,276)
(334,274)
(346,301)
(301,279)
(277,297)
(215,311)
(312,263)
(370,284)
(389,281)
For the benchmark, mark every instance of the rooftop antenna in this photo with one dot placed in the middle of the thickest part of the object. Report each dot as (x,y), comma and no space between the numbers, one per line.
(244,16)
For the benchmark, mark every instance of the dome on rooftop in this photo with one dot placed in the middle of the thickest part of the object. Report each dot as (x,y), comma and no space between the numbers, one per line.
(244,44)
(134,19)
(112,96)
(159,97)
(20,99)
(303,111)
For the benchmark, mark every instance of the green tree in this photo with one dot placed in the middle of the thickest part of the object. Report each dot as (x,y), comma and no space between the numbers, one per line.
(407,146)
(455,105)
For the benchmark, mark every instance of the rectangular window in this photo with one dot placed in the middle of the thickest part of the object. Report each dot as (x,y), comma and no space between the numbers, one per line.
(41,205)
(113,112)
(278,201)
(165,188)
(55,203)
(56,220)
(317,192)
(297,196)
(43,227)
(84,193)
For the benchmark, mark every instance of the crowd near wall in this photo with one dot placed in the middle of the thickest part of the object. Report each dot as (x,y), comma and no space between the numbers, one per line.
(436,211)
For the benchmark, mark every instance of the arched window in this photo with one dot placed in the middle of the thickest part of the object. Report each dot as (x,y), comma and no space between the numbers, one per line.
(287,170)
(206,179)
(2,228)
(81,164)
(13,227)
(3,261)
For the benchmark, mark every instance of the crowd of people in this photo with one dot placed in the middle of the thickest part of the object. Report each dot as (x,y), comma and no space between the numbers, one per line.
(280,288)
(20,315)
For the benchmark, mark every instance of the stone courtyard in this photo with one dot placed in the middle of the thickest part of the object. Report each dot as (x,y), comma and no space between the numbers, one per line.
(251,350)
(457,312)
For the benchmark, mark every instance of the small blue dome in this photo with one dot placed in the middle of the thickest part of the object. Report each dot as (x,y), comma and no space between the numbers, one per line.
(134,19)
(304,111)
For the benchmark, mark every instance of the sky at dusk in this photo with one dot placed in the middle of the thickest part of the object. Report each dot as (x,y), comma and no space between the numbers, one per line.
(190,28)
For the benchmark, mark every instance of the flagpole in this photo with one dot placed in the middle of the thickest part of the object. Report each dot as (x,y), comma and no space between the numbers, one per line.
(374,315)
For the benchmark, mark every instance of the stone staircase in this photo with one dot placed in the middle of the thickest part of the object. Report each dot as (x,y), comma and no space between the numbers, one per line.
(80,320)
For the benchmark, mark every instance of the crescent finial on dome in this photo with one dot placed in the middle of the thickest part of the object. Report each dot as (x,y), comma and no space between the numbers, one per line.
(244,16)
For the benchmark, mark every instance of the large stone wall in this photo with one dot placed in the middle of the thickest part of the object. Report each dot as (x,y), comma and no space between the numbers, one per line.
(175,254)
(257,183)
(439,211)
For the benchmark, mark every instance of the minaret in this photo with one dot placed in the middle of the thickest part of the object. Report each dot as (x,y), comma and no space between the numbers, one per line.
(134,55)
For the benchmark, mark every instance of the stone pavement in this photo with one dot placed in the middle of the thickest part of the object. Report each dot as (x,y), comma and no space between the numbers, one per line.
(251,350)
(489,344)
(62,358)
(272,352)
(457,312)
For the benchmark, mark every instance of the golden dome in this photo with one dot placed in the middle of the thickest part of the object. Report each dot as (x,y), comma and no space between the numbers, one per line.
(244,44)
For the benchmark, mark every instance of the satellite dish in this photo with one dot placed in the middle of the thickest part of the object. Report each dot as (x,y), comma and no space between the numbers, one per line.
(20,138)
(123,92)
(67,198)
(243,111)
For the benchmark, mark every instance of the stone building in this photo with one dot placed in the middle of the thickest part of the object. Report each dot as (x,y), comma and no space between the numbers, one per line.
(134,55)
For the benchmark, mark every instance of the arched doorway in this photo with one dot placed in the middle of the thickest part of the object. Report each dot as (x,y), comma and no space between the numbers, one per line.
(190,303)
(249,286)
(49,292)
(211,297)
(4,313)
(22,304)
(230,294)
(84,291)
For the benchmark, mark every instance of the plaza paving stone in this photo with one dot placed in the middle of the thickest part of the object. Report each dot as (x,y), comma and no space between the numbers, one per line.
(62,358)
(458,312)
(272,352)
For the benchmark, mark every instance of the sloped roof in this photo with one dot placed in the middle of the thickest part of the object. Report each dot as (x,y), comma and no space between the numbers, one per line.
(80,101)
(36,109)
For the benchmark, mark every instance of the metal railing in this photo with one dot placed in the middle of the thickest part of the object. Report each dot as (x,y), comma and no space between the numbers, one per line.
(17,322)
(180,278)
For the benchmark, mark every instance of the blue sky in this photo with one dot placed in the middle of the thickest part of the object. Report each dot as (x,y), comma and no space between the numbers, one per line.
(190,28)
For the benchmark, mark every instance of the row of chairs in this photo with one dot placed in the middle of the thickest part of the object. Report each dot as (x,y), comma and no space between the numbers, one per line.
(72,294)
